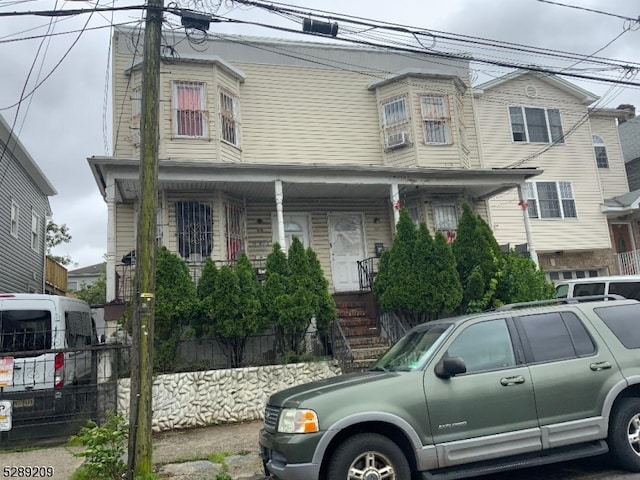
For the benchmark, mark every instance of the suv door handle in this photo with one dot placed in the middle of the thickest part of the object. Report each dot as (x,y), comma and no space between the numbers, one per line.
(596,367)
(507,381)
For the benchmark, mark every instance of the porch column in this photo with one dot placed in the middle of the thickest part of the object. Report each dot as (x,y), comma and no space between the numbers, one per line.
(527,226)
(111,240)
(395,203)
(280,214)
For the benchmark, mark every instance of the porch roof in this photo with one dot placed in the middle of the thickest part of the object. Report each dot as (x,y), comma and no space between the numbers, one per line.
(256,181)
(622,204)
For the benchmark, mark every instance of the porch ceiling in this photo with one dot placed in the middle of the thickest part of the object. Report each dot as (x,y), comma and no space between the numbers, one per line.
(256,182)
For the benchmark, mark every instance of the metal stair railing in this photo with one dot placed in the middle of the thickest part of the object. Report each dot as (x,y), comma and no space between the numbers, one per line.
(343,350)
(366,273)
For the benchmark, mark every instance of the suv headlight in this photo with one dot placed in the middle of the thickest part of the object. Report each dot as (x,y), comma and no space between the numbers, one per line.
(294,420)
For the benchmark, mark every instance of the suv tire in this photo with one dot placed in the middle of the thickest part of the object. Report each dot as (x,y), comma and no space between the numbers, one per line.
(368,452)
(624,440)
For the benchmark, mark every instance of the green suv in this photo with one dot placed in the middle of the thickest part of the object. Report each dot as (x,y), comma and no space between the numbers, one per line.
(523,385)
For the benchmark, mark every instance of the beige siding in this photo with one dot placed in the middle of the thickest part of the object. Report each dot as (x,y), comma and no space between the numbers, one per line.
(614,178)
(572,161)
(125,230)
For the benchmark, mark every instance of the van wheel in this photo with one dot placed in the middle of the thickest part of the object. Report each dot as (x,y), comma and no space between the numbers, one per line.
(624,434)
(368,456)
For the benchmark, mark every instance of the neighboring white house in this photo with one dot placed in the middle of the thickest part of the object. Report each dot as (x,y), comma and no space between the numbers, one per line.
(24,211)
(85,276)
(265,139)
(543,121)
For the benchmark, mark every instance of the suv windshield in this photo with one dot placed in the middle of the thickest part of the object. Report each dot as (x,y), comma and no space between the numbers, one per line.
(413,350)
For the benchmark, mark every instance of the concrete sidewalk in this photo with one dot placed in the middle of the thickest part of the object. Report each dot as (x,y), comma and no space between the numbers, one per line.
(174,447)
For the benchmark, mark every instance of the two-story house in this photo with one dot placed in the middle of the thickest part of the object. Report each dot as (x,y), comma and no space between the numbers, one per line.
(543,121)
(24,209)
(265,139)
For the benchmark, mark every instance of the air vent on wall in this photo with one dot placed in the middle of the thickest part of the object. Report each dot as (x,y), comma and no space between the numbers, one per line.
(531,91)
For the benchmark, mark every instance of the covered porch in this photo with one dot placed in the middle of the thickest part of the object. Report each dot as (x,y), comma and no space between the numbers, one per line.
(346,213)
(623,216)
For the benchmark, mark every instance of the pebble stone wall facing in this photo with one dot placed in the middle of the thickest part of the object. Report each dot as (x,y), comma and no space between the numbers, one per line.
(195,399)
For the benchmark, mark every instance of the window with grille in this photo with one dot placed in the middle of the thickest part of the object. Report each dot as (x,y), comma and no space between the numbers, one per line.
(15,214)
(189,109)
(195,230)
(436,119)
(136,112)
(234,230)
(445,220)
(229,118)
(600,149)
(550,199)
(395,122)
(536,125)
(35,231)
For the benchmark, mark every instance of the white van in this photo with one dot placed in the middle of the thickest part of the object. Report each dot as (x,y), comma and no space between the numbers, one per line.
(50,339)
(626,285)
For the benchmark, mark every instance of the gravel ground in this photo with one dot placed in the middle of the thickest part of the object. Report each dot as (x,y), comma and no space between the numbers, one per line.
(176,446)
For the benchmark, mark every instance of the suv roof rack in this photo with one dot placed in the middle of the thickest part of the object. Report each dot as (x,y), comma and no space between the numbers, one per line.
(555,301)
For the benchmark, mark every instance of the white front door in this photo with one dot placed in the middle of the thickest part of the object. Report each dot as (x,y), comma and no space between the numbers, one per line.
(347,248)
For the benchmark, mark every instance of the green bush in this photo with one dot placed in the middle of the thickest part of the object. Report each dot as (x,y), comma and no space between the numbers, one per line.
(104,449)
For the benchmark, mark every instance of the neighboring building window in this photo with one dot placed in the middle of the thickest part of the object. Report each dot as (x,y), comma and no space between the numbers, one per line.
(189,109)
(234,230)
(35,231)
(195,230)
(136,111)
(395,121)
(601,152)
(569,274)
(536,125)
(550,199)
(414,211)
(229,118)
(436,119)
(15,215)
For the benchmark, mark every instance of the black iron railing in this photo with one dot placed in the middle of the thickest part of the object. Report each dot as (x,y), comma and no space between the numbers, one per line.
(367,270)
(341,348)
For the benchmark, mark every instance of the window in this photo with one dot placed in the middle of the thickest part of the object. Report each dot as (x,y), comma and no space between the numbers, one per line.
(626,289)
(555,336)
(234,230)
(588,289)
(395,119)
(195,230)
(536,125)
(622,320)
(189,112)
(602,161)
(294,226)
(35,231)
(25,330)
(435,119)
(15,215)
(136,110)
(445,217)
(550,199)
(229,118)
(493,352)
(78,333)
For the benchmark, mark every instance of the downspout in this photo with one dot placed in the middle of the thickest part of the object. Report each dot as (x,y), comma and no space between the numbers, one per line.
(280,214)
(527,226)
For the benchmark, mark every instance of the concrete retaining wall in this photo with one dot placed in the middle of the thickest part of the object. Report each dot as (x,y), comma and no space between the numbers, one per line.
(194,399)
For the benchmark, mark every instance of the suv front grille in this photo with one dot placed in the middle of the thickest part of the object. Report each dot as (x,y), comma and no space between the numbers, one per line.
(271,415)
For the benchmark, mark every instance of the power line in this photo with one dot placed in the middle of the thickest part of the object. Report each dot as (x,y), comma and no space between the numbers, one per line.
(590,10)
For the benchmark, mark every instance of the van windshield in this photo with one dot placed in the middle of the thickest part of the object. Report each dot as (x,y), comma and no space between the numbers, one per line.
(25,330)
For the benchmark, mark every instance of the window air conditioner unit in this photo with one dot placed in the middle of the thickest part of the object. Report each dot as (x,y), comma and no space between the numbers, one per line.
(397,140)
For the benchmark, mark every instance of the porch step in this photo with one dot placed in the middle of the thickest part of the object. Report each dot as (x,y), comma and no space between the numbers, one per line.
(369,353)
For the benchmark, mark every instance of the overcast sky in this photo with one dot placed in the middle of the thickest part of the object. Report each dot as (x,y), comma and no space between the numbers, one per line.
(64,121)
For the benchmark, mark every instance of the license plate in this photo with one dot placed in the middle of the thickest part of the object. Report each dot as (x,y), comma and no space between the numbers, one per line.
(23,403)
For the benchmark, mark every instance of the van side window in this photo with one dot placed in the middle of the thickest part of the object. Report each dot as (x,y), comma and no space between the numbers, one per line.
(78,329)
(586,289)
(25,330)
(626,289)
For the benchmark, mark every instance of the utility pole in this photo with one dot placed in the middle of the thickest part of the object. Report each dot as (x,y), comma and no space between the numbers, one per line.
(140,408)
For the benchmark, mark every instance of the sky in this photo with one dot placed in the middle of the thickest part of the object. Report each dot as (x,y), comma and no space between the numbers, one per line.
(68,116)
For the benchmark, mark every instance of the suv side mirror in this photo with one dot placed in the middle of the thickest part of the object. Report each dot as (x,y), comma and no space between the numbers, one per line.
(450,366)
